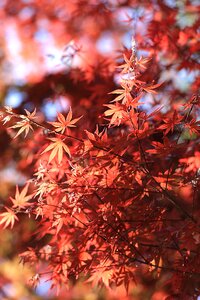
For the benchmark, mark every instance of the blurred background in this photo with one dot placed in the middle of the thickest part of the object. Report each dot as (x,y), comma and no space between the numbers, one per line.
(55,54)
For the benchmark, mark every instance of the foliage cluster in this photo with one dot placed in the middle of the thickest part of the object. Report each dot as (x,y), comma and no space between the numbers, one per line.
(112,185)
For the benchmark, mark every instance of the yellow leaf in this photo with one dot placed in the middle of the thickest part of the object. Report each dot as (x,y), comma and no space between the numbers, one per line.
(24,126)
(21,199)
(8,218)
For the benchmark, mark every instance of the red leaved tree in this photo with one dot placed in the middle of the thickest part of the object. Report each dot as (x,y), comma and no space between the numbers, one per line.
(112,183)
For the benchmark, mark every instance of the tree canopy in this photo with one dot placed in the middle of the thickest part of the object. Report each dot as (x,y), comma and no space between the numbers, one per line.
(100,157)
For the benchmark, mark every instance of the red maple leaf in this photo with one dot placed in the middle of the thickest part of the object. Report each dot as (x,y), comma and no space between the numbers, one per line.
(63,123)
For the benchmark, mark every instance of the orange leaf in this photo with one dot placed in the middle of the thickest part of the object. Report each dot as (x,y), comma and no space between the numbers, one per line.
(24,126)
(21,199)
(151,88)
(101,275)
(8,218)
(63,122)
(56,149)
(116,111)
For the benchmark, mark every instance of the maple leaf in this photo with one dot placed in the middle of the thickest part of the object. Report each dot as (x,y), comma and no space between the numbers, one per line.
(160,148)
(84,256)
(151,88)
(30,115)
(6,119)
(58,224)
(24,126)
(192,162)
(57,148)
(125,95)
(101,274)
(8,218)
(194,100)
(193,127)
(141,62)
(171,122)
(21,200)
(110,176)
(163,180)
(116,111)
(128,65)
(28,255)
(121,93)
(64,123)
